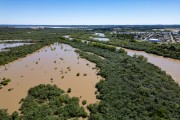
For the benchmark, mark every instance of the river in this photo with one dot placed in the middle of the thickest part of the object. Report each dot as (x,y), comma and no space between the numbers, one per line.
(169,65)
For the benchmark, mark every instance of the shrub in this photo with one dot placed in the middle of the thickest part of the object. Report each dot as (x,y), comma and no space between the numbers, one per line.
(84,102)
(78,74)
(69,90)
(5,81)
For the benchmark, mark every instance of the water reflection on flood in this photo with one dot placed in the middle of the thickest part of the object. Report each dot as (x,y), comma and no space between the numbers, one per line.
(10,45)
(100,37)
(56,64)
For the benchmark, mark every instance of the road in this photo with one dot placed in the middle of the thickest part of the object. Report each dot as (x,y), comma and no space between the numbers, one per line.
(172,39)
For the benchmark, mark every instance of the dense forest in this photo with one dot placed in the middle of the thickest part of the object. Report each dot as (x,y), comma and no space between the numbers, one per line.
(36,34)
(132,89)
(46,102)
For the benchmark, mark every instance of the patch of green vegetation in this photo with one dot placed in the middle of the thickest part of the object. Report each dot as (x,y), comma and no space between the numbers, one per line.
(5,81)
(132,89)
(4,115)
(40,38)
(167,50)
(20,51)
(84,102)
(47,102)
(140,57)
(170,50)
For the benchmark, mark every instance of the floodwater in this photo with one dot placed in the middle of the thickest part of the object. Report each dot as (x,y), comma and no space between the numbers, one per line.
(101,39)
(56,64)
(68,37)
(170,66)
(10,45)
(100,34)
(3,41)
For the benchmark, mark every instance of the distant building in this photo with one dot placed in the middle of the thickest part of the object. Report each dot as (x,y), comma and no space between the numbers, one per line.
(154,40)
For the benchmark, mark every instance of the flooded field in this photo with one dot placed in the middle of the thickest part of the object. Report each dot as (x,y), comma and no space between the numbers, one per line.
(10,45)
(170,66)
(56,64)
(100,34)
(68,37)
(101,39)
(5,41)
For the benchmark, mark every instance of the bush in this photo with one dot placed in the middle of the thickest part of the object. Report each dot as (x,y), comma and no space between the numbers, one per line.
(5,81)
(140,57)
(78,74)
(84,102)
(69,90)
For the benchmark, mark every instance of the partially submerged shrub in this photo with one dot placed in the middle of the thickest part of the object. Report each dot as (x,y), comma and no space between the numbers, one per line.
(78,74)
(84,102)
(69,90)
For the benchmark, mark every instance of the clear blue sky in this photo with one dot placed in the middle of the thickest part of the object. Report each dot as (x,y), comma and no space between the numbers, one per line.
(91,12)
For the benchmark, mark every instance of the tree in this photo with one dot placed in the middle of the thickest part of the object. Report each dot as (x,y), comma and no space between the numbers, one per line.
(84,102)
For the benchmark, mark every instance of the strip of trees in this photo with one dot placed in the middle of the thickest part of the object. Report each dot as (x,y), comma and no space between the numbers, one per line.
(170,50)
(132,89)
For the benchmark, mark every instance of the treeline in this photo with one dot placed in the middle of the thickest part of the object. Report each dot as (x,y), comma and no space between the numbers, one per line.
(170,50)
(37,34)
(109,47)
(21,51)
(133,88)
(127,41)
(124,36)
(165,50)
(46,102)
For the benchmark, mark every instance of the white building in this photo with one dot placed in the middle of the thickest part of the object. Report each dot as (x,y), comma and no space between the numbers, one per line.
(154,40)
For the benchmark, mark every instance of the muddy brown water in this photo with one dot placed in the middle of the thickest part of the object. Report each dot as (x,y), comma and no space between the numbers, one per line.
(170,66)
(56,64)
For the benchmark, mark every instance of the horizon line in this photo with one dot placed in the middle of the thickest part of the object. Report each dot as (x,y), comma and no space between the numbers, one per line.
(86,24)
